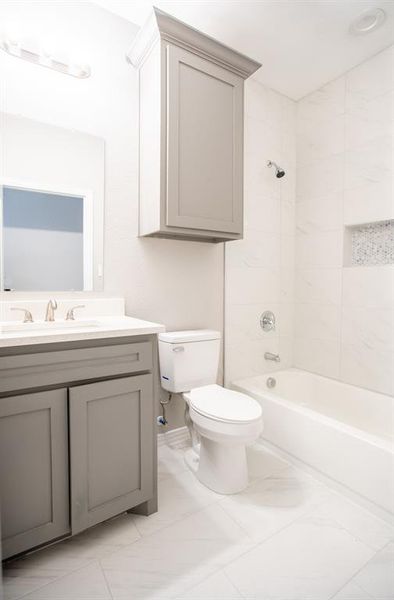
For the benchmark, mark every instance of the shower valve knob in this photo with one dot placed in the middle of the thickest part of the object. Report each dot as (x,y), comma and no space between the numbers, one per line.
(267,321)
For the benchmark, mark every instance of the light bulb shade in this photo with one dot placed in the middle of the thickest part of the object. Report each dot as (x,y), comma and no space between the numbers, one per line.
(14,48)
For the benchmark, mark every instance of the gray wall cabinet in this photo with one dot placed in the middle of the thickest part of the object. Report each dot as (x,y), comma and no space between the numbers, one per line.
(84,449)
(191,132)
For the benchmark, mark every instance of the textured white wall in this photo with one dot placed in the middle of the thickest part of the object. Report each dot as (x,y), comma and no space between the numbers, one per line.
(344,320)
(259,271)
(177,283)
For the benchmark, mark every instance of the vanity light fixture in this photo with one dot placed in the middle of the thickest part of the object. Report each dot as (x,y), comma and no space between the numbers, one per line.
(44,60)
(368,21)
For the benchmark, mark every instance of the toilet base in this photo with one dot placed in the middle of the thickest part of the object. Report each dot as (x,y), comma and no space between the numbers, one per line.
(220,467)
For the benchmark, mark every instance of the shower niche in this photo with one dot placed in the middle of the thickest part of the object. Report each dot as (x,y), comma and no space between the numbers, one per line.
(369,244)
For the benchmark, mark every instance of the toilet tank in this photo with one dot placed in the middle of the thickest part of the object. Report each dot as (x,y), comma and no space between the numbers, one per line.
(188,359)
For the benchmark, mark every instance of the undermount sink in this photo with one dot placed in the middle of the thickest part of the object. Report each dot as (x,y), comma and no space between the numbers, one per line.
(13,327)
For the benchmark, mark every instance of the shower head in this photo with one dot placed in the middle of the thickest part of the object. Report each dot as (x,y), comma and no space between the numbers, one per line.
(279,171)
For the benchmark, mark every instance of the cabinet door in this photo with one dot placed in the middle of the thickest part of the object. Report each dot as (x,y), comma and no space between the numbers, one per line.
(204,144)
(111,448)
(33,469)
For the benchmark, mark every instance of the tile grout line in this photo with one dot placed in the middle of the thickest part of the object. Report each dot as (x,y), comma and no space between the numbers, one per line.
(299,518)
(55,580)
(359,570)
(215,502)
(233,584)
(106,580)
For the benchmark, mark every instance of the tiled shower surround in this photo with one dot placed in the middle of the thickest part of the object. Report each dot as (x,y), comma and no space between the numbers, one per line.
(372,244)
(259,272)
(332,319)
(344,317)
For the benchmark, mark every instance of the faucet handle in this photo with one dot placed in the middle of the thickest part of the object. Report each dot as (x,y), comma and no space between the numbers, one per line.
(271,356)
(28,317)
(70,313)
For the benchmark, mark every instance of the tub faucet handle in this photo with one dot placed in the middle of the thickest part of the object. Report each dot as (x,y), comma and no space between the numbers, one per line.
(270,356)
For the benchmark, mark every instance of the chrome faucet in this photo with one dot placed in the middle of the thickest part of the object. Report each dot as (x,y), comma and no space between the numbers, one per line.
(270,356)
(50,312)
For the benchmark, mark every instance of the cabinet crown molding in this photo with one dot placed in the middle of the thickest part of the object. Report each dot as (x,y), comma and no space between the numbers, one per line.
(161,25)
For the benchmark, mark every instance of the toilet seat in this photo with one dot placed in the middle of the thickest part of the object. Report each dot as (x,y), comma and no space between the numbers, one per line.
(220,404)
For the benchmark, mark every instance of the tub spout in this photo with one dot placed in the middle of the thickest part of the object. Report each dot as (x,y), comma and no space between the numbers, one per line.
(270,356)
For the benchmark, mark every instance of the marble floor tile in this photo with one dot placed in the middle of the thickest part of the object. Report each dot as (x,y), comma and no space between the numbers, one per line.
(179,496)
(216,587)
(173,560)
(19,582)
(309,560)
(48,564)
(270,504)
(262,463)
(362,524)
(87,583)
(286,537)
(351,591)
(377,576)
(35,570)
(171,461)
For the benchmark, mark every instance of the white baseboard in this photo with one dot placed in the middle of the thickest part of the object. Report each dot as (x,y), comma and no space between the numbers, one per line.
(176,438)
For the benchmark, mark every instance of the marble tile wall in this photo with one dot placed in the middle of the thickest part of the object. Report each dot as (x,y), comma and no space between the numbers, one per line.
(259,270)
(344,316)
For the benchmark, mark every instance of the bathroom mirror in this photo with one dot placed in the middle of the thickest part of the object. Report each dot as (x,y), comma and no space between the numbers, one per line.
(52,204)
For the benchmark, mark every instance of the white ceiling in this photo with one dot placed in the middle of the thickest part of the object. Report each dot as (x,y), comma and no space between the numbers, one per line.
(302,44)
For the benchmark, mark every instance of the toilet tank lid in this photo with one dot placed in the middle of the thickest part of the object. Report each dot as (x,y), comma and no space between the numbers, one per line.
(196,335)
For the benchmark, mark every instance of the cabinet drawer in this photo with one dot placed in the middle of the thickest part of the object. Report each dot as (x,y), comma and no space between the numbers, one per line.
(25,371)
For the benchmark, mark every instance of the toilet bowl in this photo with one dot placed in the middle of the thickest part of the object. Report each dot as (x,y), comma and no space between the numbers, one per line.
(225,421)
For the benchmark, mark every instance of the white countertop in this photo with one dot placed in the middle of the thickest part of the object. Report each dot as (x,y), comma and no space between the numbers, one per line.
(107,327)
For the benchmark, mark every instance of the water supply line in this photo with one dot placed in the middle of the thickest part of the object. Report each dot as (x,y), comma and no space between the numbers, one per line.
(161,419)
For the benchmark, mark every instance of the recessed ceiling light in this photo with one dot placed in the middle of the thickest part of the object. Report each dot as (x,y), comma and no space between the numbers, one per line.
(368,21)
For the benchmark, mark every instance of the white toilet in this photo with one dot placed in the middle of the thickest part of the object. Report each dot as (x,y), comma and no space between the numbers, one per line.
(226,421)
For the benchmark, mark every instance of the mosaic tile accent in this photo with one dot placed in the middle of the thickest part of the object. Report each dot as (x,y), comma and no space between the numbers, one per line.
(372,244)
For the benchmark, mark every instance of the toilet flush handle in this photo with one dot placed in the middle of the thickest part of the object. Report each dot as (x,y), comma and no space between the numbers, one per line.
(178,349)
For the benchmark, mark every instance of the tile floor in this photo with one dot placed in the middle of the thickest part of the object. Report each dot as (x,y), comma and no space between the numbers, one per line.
(287,537)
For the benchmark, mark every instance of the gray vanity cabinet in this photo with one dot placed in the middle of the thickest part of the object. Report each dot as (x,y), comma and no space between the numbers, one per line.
(77,436)
(111,450)
(33,469)
(191,132)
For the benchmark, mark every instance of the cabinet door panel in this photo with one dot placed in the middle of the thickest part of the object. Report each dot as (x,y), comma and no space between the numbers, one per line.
(33,469)
(111,429)
(204,144)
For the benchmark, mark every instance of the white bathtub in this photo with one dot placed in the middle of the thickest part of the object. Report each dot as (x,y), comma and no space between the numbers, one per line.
(342,431)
